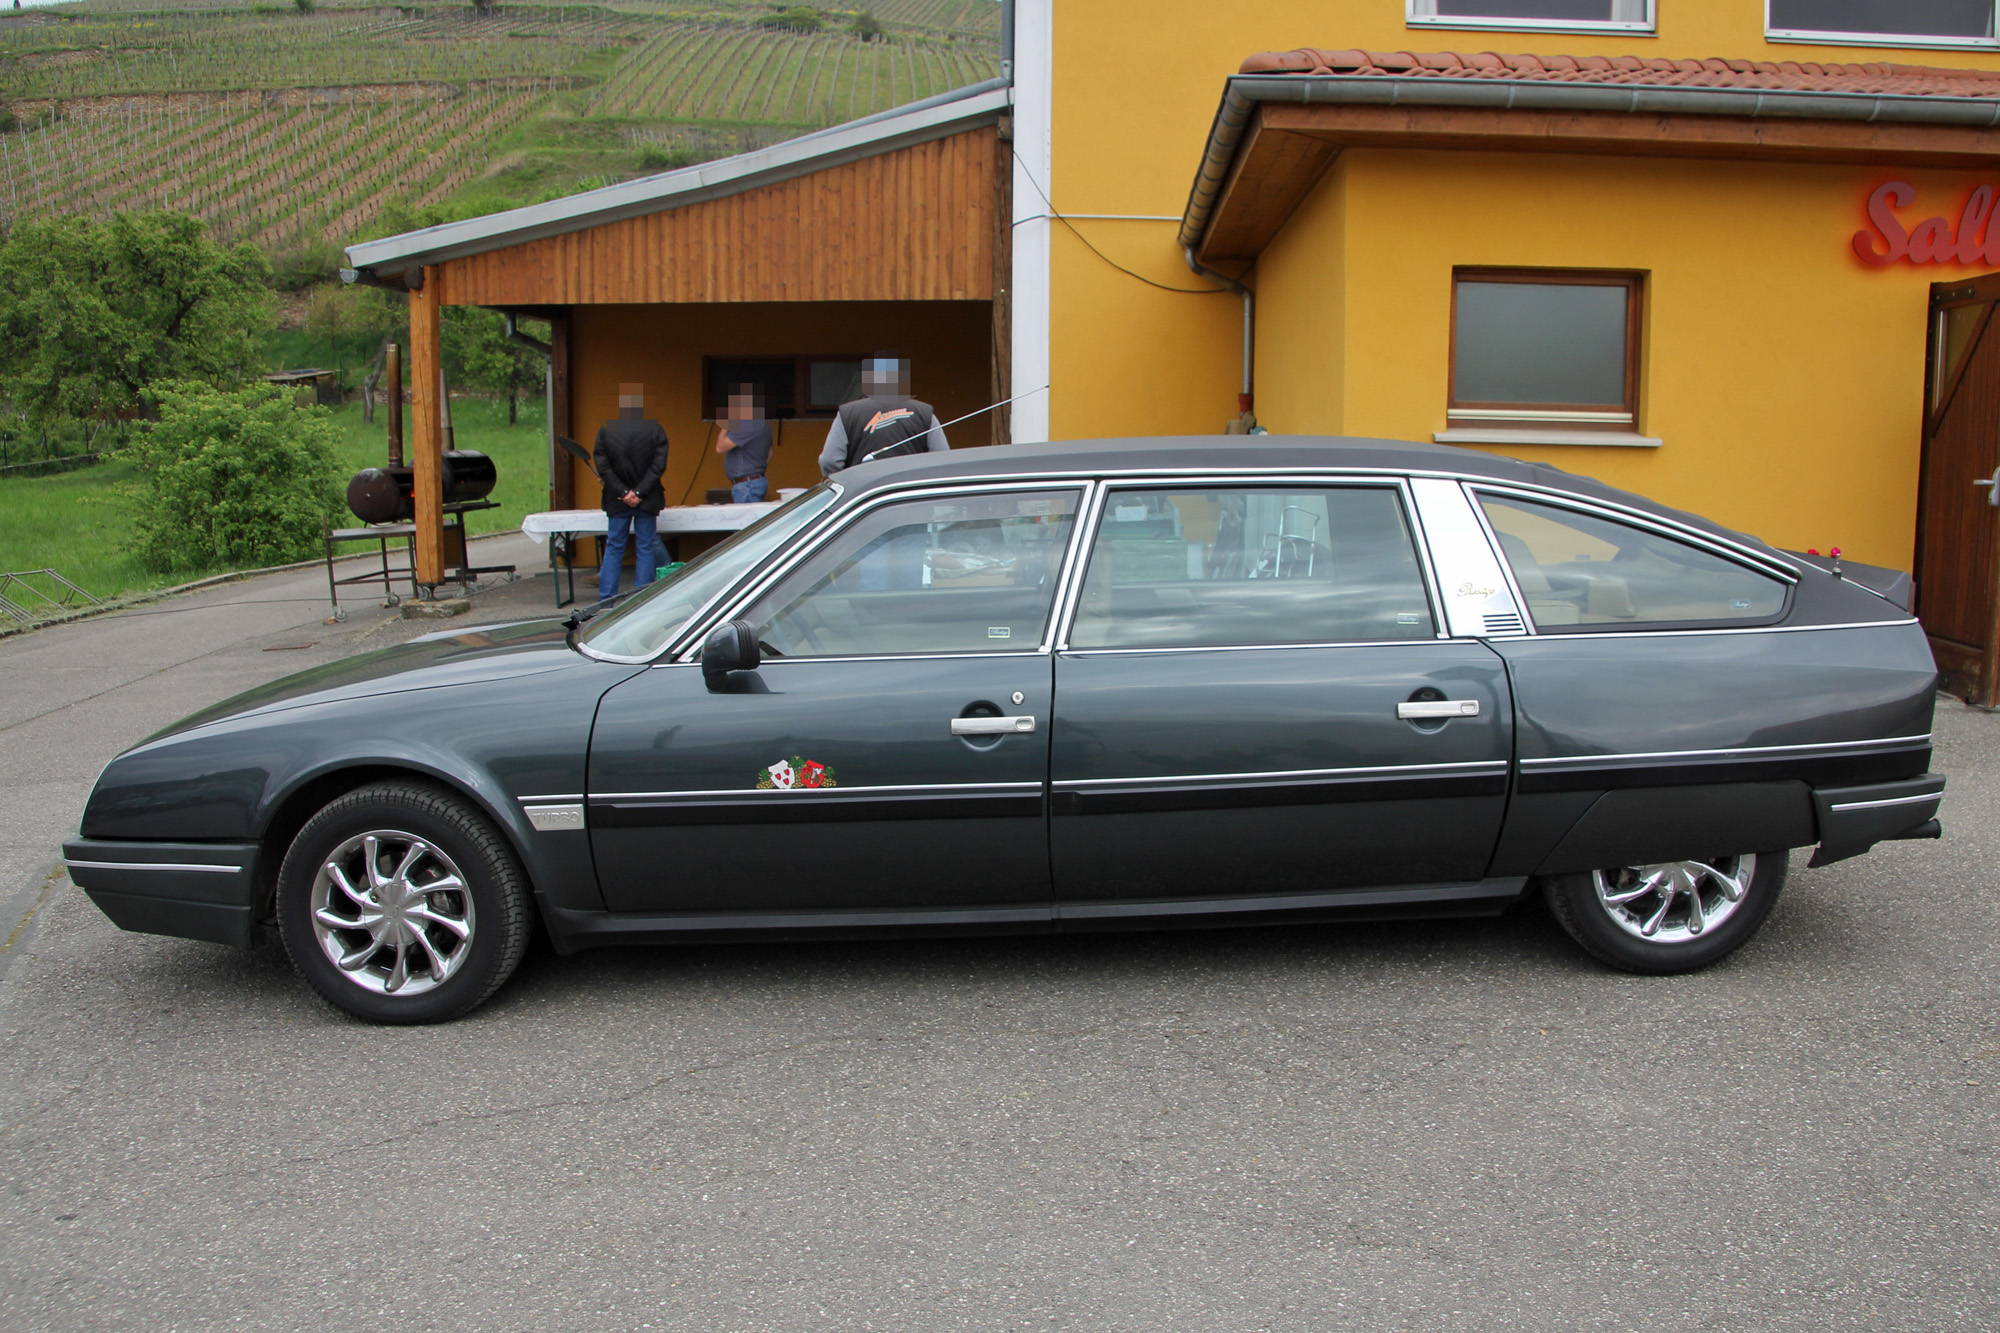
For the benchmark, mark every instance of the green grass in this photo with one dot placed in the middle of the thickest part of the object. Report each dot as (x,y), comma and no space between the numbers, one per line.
(77,523)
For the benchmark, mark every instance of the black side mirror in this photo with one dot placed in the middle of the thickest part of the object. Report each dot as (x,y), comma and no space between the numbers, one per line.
(730,647)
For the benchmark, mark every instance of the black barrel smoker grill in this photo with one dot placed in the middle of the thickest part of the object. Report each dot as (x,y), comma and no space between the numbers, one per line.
(385,499)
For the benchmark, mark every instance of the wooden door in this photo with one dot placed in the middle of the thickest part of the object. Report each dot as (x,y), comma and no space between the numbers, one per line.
(1956,519)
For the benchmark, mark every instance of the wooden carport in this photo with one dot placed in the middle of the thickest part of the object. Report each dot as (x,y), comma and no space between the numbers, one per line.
(890,231)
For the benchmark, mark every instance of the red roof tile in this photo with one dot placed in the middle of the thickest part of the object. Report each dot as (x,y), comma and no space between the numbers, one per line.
(1776,76)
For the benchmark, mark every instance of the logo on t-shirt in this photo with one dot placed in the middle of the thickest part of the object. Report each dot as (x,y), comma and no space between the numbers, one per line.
(881,419)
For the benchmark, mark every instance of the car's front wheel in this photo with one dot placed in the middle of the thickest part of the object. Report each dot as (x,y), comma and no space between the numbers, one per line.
(1672,916)
(400,903)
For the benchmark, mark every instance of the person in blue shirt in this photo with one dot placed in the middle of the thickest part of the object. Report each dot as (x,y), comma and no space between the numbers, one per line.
(745,446)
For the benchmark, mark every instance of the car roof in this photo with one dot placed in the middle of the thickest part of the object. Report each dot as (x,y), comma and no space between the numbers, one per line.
(1253,453)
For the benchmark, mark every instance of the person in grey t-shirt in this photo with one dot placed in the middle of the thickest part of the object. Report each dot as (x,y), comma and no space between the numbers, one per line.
(745,446)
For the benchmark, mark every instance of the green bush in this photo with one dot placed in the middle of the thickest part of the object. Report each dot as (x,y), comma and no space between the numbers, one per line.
(232,478)
(867,27)
(798,18)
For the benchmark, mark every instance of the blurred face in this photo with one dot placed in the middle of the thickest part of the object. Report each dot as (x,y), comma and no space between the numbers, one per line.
(744,405)
(885,376)
(631,397)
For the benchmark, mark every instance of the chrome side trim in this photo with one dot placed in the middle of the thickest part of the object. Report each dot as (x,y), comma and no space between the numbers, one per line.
(1471,767)
(555,818)
(1622,513)
(156,865)
(1425,641)
(1071,593)
(1816,747)
(1571,636)
(551,796)
(1887,801)
(817,793)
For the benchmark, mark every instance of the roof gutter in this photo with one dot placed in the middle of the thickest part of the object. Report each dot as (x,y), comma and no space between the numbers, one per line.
(885,131)
(1243,92)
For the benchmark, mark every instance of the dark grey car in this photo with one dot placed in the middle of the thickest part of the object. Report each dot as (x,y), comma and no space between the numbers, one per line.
(1065,687)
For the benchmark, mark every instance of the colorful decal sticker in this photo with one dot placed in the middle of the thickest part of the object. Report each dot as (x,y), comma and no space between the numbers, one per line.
(787,774)
(888,418)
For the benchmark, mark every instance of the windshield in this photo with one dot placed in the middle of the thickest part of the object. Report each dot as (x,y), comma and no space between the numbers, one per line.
(648,620)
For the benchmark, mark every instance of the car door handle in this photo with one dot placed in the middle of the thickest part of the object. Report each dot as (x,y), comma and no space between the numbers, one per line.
(1432,708)
(990,726)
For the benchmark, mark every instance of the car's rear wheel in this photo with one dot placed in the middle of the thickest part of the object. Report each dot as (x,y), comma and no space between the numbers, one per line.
(400,903)
(1671,916)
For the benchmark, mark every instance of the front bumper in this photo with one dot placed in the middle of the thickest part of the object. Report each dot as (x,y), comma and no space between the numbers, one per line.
(196,890)
(1853,819)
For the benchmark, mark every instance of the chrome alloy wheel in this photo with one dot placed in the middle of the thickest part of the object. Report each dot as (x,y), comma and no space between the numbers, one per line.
(392,912)
(1675,901)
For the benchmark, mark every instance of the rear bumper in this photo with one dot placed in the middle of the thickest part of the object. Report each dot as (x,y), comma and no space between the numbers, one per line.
(196,890)
(1853,819)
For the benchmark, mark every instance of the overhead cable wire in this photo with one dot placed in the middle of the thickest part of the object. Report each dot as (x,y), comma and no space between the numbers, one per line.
(1064,219)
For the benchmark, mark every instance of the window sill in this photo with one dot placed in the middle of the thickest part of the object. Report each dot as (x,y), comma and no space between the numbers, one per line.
(1617,439)
(1589,27)
(1906,41)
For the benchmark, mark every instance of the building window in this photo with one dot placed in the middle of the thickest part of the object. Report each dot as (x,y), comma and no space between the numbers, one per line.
(791,386)
(1543,15)
(1545,347)
(1882,22)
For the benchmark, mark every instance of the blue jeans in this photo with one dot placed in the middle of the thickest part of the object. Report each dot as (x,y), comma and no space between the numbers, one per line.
(618,529)
(748,492)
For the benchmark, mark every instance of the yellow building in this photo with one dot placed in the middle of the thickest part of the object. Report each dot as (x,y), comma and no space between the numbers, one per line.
(1626,246)
(1685,246)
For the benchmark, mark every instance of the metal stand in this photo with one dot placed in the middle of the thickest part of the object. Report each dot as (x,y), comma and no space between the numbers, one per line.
(466,574)
(563,550)
(382,533)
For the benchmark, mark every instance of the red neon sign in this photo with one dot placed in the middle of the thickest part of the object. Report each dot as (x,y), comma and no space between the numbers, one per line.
(1932,241)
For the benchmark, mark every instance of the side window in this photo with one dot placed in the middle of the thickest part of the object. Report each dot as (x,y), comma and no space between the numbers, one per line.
(973,573)
(1576,569)
(1193,568)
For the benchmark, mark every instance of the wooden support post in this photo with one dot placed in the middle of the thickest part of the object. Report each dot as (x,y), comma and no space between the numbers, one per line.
(1002,386)
(427,435)
(393,372)
(562,478)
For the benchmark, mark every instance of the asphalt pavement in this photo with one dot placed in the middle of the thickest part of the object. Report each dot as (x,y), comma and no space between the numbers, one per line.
(1429,1125)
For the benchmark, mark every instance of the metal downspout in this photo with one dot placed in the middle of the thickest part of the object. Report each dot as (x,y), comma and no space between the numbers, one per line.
(1246,398)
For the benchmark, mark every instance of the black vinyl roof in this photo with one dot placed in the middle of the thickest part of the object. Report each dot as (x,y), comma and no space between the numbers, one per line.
(1228,453)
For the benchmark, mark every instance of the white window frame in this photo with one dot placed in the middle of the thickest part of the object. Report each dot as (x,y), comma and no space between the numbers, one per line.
(1423,14)
(1816,38)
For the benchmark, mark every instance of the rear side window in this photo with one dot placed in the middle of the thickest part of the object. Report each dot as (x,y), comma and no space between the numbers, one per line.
(1577,570)
(1213,568)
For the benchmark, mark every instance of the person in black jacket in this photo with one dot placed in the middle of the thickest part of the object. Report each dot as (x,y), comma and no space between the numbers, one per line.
(631,456)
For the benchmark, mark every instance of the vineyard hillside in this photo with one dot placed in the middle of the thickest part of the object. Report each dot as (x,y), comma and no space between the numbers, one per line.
(312,125)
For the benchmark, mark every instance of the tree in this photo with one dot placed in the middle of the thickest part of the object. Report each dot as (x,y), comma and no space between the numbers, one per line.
(333,309)
(232,478)
(867,27)
(478,354)
(92,312)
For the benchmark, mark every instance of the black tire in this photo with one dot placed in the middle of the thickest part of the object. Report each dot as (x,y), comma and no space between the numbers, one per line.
(1576,903)
(492,904)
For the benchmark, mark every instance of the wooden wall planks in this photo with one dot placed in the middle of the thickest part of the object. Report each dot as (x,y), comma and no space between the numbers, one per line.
(915,224)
